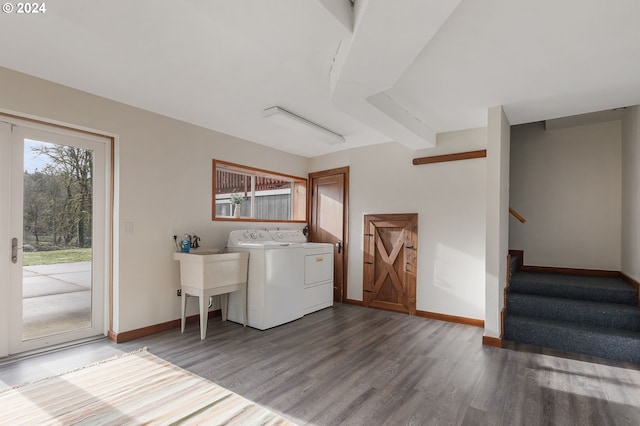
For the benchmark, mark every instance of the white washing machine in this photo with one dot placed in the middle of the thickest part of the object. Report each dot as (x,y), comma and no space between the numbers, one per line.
(318,269)
(274,286)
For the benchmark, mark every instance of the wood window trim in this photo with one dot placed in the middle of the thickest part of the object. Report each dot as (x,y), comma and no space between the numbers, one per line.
(254,171)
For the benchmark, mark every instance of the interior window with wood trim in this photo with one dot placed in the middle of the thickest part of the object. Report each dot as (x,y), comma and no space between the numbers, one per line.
(244,193)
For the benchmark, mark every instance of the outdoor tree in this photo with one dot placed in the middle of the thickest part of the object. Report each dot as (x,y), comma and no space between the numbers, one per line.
(58,200)
(35,204)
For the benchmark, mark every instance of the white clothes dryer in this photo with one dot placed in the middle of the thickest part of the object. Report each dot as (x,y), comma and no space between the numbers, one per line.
(318,269)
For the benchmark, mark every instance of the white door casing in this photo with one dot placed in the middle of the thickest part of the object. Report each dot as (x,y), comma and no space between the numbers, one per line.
(13,132)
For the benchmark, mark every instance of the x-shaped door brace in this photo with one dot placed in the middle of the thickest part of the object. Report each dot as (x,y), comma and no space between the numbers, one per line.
(388,260)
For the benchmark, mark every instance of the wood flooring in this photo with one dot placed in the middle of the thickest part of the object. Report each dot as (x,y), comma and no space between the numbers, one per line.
(350,365)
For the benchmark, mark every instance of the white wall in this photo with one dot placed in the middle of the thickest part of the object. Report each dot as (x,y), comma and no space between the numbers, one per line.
(164,175)
(497,223)
(567,185)
(630,259)
(450,201)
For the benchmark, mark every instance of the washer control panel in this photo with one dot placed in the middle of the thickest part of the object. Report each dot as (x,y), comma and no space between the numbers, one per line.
(288,235)
(262,236)
(248,236)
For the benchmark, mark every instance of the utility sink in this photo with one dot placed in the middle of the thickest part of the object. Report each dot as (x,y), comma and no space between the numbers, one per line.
(208,268)
(207,272)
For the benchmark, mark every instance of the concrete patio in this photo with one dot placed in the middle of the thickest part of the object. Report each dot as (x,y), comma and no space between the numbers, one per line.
(56,298)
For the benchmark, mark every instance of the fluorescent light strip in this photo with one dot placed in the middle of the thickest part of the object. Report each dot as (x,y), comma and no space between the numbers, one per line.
(288,119)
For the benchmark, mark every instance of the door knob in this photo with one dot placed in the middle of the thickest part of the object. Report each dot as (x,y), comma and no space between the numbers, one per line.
(339,246)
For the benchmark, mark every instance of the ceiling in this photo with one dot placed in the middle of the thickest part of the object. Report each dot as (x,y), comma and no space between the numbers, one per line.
(374,72)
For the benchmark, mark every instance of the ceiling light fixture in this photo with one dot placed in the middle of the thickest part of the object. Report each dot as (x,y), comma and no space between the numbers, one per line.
(288,119)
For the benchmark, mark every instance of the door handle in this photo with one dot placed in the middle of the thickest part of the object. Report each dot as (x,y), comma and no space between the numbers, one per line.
(339,246)
(14,250)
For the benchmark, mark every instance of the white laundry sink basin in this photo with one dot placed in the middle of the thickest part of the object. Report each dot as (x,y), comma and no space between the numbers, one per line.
(208,268)
(207,272)
(203,251)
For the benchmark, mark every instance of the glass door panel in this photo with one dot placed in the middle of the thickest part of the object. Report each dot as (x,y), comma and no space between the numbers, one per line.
(59,232)
(57,225)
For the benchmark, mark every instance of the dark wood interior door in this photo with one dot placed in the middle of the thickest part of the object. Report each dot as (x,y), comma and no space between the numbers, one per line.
(390,262)
(328,213)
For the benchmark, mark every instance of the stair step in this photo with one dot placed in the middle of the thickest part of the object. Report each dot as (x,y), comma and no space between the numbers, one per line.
(598,289)
(610,315)
(515,260)
(600,342)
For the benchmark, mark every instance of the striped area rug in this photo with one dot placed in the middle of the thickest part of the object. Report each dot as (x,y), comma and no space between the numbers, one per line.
(133,389)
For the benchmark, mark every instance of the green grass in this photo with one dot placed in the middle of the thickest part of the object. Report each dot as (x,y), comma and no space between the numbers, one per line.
(56,256)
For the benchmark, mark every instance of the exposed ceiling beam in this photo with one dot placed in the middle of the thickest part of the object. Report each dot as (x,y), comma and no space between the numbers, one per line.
(368,64)
(342,10)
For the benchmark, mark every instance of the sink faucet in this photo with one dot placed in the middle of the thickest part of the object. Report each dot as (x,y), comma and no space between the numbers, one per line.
(195,241)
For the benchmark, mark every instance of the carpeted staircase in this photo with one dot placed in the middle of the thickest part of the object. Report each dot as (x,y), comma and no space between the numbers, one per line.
(597,316)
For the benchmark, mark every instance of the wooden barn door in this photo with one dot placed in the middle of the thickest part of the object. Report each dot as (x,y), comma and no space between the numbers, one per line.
(390,262)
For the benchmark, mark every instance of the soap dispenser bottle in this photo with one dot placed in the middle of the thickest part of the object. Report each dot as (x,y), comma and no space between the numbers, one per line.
(185,244)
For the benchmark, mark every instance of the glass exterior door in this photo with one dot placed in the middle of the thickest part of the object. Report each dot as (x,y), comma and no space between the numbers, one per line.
(57,264)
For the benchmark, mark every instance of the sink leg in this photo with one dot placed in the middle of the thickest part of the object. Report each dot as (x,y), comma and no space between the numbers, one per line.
(184,307)
(203,316)
(224,305)
(243,296)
